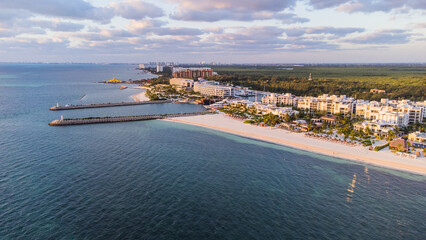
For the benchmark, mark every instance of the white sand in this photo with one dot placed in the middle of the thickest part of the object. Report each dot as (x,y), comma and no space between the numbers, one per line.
(140,97)
(297,140)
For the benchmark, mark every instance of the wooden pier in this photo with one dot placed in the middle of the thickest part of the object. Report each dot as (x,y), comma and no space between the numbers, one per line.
(95,120)
(102,105)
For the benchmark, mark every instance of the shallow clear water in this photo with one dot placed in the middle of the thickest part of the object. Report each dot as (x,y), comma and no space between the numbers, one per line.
(164,180)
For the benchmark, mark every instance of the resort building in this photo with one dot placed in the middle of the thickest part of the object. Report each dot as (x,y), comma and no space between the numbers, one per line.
(417,136)
(329,104)
(394,118)
(328,119)
(282,99)
(193,73)
(375,90)
(283,111)
(378,128)
(418,139)
(399,144)
(182,82)
(373,110)
(212,88)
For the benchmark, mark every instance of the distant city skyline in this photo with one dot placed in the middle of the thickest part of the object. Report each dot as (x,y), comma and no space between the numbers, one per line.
(238,31)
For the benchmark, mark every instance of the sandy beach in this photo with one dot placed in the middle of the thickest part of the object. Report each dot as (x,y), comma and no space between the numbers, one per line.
(140,97)
(385,159)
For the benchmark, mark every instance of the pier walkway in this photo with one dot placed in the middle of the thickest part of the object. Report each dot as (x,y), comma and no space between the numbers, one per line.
(94,120)
(102,105)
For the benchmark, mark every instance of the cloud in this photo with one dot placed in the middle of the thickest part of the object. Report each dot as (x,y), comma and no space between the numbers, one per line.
(75,9)
(30,45)
(238,5)
(177,31)
(351,6)
(156,27)
(58,26)
(320,4)
(338,32)
(382,37)
(288,18)
(144,26)
(247,39)
(10,15)
(417,25)
(100,35)
(380,5)
(136,9)
(239,10)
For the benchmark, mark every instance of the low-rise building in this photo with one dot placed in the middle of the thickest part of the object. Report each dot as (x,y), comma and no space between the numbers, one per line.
(329,119)
(377,128)
(182,82)
(399,144)
(283,99)
(375,90)
(211,88)
(417,136)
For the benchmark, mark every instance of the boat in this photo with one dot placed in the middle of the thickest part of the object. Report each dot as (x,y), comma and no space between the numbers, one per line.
(123,87)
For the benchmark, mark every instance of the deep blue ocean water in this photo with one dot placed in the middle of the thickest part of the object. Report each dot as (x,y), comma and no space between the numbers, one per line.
(164,180)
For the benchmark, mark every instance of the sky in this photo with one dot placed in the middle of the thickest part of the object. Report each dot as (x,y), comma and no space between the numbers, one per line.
(220,31)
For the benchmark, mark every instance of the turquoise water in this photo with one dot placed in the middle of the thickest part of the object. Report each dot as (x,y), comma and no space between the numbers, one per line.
(164,180)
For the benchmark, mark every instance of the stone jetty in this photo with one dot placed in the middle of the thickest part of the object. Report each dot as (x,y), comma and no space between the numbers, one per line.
(102,105)
(94,120)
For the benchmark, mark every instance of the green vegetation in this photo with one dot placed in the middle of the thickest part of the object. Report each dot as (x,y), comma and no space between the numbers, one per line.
(402,81)
(152,96)
(378,148)
(366,143)
(249,121)
(271,119)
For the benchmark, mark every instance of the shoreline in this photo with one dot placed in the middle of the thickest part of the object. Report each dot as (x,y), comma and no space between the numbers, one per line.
(298,141)
(140,97)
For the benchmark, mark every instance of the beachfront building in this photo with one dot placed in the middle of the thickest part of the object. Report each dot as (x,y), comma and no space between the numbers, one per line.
(417,136)
(415,114)
(264,108)
(282,112)
(422,105)
(329,119)
(393,110)
(193,73)
(418,139)
(219,105)
(394,118)
(328,104)
(378,128)
(212,88)
(182,82)
(399,144)
(287,99)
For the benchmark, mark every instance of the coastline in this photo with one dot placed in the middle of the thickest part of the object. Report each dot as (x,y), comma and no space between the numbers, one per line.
(140,97)
(226,124)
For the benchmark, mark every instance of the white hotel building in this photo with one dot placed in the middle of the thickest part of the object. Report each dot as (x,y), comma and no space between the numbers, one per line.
(287,99)
(182,82)
(393,112)
(212,88)
(330,104)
